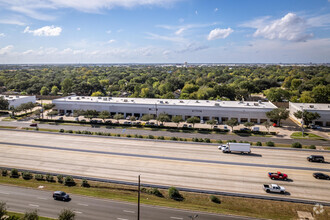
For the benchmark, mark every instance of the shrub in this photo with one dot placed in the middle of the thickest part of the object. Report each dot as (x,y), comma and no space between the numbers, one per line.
(128,135)
(14,173)
(77,132)
(69,181)
(4,172)
(174,194)
(140,136)
(151,136)
(161,138)
(61,130)
(3,209)
(195,139)
(296,145)
(155,191)
(27,175)
(312,146)
(258,143)
(136,136)
(215,199)
(69,131)
(66,214)
(173,138)
(49,178)
(32,215)
(219,141)
(39,177)
(201,140)
(270,144)
(85,183)
(60,178)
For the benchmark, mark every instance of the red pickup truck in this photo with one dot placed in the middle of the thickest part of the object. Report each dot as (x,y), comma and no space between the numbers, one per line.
(278,176)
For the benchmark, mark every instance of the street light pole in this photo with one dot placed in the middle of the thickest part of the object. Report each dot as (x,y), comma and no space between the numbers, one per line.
(138,215)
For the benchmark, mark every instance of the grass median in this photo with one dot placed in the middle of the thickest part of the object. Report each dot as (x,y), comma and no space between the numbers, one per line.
(192,201)
(310,136)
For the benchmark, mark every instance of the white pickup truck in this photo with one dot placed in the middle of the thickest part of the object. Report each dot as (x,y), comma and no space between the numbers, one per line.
(274,188)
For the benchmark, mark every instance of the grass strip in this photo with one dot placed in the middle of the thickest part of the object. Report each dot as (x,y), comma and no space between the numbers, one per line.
(310,136)
(20,215)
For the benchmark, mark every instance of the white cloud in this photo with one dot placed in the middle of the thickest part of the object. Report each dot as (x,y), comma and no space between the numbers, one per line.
(111,41)
(6,50)
(45,31)
(11,21)
(216,9)
(165,38)
(319,21)
(290,27)
(108,31)
(219,33)
(196,12)
(2,35)
(180,31)
(78,29)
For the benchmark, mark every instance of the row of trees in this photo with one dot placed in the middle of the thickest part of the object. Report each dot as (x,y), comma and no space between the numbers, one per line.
(278,83)
(65,214)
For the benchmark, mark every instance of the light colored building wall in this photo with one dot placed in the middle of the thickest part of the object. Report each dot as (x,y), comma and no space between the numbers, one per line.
(322,109)
(16,101)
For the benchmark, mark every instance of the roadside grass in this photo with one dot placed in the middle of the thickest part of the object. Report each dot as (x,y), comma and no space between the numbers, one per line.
(16,214)
(192,201)
(298,135)
(8,127)
(8,119)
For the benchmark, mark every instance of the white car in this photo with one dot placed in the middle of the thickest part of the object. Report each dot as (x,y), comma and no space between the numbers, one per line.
(273,188)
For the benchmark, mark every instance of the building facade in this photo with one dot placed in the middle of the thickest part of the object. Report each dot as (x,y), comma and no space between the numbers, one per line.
(204,109)
(322,109)
(16,100)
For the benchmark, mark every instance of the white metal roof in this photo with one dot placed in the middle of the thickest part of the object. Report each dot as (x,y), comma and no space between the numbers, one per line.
(178,102)
(311,106)
(12,97)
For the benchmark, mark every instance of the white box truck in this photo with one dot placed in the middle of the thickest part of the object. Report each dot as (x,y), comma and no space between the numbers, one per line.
(235,147)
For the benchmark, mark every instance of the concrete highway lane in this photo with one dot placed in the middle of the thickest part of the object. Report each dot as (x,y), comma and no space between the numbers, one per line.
(162,163)
(87,208)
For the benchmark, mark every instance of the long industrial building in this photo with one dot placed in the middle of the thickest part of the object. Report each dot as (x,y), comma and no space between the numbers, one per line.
(17,100)
(204,109)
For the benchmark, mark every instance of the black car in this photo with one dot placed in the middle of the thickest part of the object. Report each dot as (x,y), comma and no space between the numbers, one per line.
(315,158)
(321,176)
(60,195)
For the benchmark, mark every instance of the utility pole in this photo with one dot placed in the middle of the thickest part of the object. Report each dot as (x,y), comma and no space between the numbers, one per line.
(138,215)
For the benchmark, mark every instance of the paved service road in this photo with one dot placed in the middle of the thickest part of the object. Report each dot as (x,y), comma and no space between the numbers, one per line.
(161,163)
(114,130)
(86,208)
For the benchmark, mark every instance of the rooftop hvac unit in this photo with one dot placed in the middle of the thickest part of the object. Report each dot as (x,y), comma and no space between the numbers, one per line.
(17,96)
(161,102)
(247,104)
(125,100)
(216,104)
(83,97)
(166,102)
(259,101)
(311,106)
(181,101)
(104,99)
(256,104)
(77,98)
(99,97)
(197,101)
(70,98)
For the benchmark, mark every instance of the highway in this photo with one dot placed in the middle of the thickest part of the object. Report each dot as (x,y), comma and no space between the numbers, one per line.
(86,208)
(187,165)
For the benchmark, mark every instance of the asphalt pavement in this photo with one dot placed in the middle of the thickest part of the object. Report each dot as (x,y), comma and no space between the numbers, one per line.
(114,130)
(20,199)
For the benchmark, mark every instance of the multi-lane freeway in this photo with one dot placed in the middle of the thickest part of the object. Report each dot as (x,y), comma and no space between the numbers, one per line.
(183,165)
(87,208)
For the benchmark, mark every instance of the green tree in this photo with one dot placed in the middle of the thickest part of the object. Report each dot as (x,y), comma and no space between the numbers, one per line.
(104,115)
(3,209)
(193,120)
(306,116)
(132,118)
(163,117)
(212,122)
(4,104)
(248,124)
(37,113)
(98,93)
(267,125)
(44,91)
(321,93)
(66,214)
(307,97)
(91,114)
(277,94)
(232,123)
(278,114)
(147,117)
(52,113)
(118,117)
(31,215)
(177,119)
(66,86)
(54,90)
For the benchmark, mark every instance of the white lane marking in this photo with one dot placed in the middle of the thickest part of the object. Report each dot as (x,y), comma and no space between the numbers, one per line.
(77,212)
(176,218)
(4,193)
(33,205)
(43,198)
(82,204)
(128,211)
(122,218)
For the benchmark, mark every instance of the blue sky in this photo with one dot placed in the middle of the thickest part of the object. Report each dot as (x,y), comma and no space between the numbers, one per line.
(164,31)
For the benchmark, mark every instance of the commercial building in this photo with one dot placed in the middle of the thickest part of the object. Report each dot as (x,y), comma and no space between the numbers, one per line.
(204,109)
(322,109)
(17,100)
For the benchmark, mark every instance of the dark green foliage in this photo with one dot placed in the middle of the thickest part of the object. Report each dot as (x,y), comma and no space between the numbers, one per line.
(151,136)
(258,143)
(278,114)
(215,199)
(60,178)
(296,145)
(270,144)
(219,141)
(50,178)
(161,138)
(39,177)
(4,104)
(173,138)
(3,209)
(27,175)
(152,191)
(61,130)
(312,146)
(69,181)
(66,214)
(14,173)
(4,172)
(175,194)
(31,215)
(207,140)
(85,183)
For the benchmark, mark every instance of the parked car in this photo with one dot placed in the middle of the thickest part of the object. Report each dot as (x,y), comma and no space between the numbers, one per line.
(202,122)
(225,127)
(321,176)
(255,129)
(315,127)
(60,195)
(185,125)
(60,118)
(278,176)
(189,126)
(34,125)
(244,129)
(215,127)
(315,158)
(273,188)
